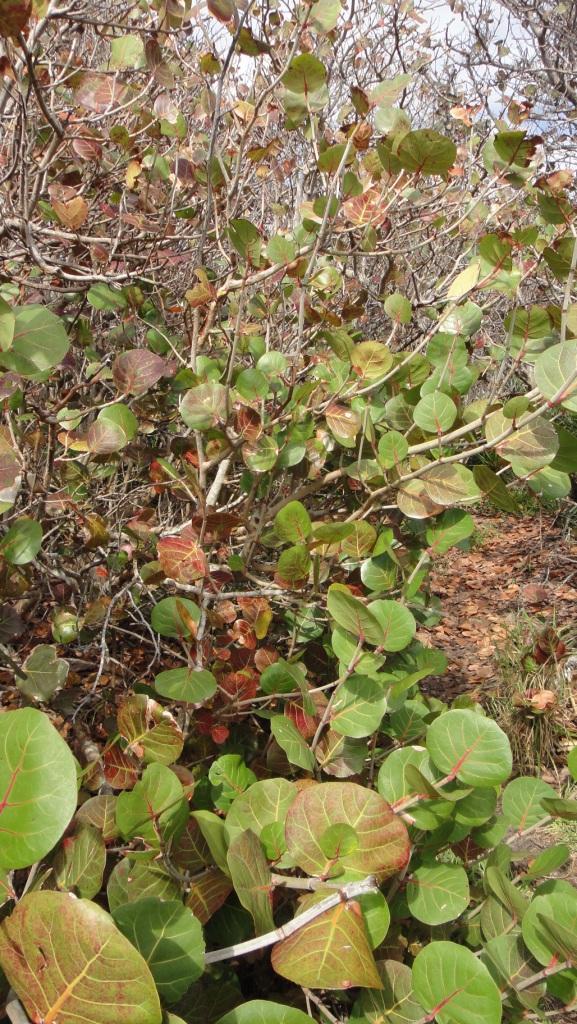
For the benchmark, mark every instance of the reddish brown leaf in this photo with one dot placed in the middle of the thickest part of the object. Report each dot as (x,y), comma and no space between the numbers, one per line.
(136,371)
(120,769)
(181,558)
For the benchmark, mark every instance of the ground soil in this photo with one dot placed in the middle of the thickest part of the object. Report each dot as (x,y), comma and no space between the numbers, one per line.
(515,567)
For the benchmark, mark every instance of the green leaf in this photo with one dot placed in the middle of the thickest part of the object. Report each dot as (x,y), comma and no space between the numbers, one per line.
(294,564)
(38,787)
(261,456)
(293,524)
(426,152)
(383,843)
(449,529)
(7,325)
(22,542)
(172,615)
(151,732)
(282,677)
(324,15)
(464,281)
(67,961)
(397,623)
(438,893)
(379,573)
(522,802)
(332,951)
(99,812)
(39,342)
(572,763)
(192,686)
(246,239)
(80,862)
(453,986)
(377,916)
(509,895)
(127,51)
(155,810)
(435,413)
(305,74)
(251,878)
(262,804)
(352,615)
(281,249)
(394,1004)
(392,448)
(358,707)
(290,740)
(135,880)
(114,428)
(548,861)
(516,147)
(260,1011)
(467,746)
(371,360)
(205,406)
(169,938)
(561,906)
(252,384)
(450,484)
(557,807)
(102,297)
(229,776)
(398,308)
(510,963)
(213,833)
(45,673)
(530,446)
(494,489)
(556,374)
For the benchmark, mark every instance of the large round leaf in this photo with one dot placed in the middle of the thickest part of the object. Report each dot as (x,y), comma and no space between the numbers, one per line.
(449,484)
(80,861)
(382,840)
(67,962)
(22,542)
(38,788)
(397,622)
(556,374)
(204,407)
(358,707)
(39,342)
(193,686)
(170,939)
(352,615)
(395,1003)
(262,804)
(136,371)
(437,893)
(175,616)
(454,987)
(44,673)
(522,805)
(426,152)
(530,446)
(469,747)
(155,810)
(150,731)
(435,413)
(560,907)
(332,951)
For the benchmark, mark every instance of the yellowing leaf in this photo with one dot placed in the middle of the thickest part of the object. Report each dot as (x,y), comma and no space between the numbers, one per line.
(464,281)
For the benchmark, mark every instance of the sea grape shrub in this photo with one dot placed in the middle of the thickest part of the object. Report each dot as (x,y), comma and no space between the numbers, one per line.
(411,889)
(243,413)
